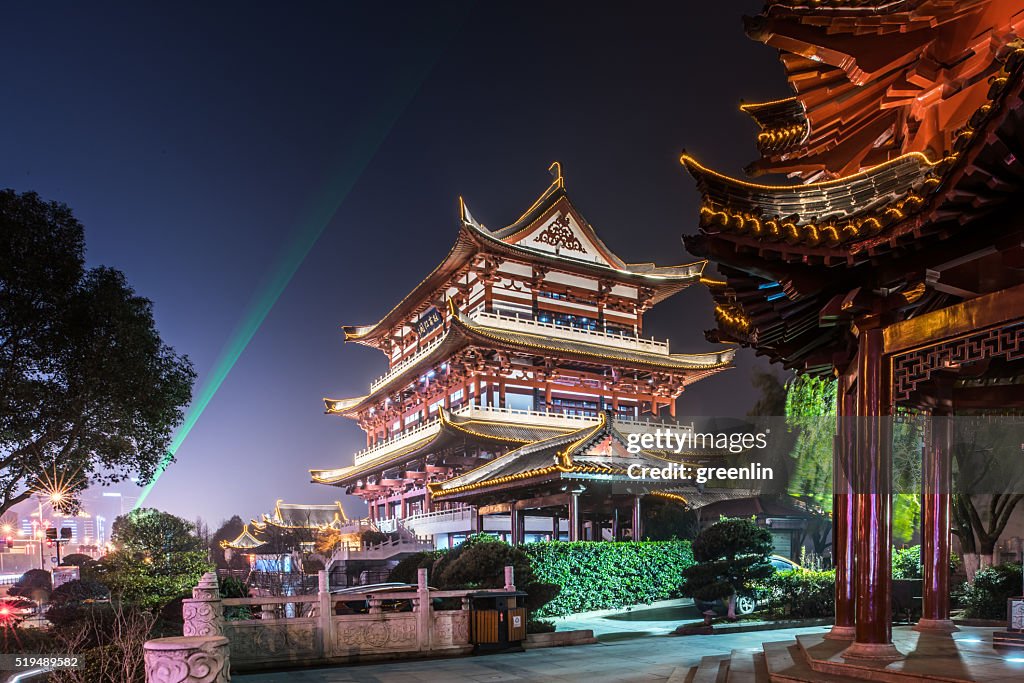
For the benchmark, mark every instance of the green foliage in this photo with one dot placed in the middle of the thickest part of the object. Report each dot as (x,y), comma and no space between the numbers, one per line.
(372,537)
(666,520)
(811,413)
(540,626)
(993,586)
(158,559)
(906,563)
(76,560)
(31,583)
(406,571)
(596,576)
(79,591)
(155,534)
(729,556)
(229,530)
(772,401)
(91,394)
(800,593)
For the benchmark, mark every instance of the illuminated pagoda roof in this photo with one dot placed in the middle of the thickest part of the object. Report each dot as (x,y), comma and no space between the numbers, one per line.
(574,248)
(245,541)
(303,516)
(594,452)
(448,429)
(914,137)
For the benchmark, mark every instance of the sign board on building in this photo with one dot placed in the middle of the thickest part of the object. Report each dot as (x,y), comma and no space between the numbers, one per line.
(429,321)
(62,575)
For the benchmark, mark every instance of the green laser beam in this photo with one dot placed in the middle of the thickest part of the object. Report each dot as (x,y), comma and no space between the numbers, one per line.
(369,138)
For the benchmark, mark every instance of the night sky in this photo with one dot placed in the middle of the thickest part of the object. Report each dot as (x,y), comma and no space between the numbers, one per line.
(206,146)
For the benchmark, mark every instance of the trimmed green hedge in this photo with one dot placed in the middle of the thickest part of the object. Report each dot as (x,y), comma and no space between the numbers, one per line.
(800,593)
(607,575)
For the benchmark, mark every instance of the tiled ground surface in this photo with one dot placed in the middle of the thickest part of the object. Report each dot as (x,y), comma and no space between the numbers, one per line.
(646,659)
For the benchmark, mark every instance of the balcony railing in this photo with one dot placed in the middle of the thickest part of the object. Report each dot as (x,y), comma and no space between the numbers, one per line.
(527,417)
(633,343)
(402,365)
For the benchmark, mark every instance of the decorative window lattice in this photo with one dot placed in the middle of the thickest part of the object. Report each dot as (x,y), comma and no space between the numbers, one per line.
(560,235)
(914,367)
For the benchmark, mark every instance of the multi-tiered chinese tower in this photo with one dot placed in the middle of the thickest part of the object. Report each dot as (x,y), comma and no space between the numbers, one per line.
(520,335)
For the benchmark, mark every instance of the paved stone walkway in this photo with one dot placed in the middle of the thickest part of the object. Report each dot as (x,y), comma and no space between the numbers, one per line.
(647,659)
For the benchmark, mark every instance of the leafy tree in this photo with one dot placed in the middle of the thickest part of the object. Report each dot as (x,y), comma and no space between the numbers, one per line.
(79,560)
(89,393)
(77,592)
(729,556)
(987,479)
(772,401)
(229,530)
(158,558)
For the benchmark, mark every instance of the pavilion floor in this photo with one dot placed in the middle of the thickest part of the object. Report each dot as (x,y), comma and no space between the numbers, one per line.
(965,656)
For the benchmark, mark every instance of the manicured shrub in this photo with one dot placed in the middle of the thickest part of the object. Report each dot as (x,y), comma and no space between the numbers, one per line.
(407,570)
(986,597)
(730,556)
(800,593)
(33,584)
(605,575)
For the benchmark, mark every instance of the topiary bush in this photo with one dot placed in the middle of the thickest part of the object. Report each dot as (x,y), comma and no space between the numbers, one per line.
(34,583)
(800,593)
(986,597)
(731,556)
(607,575)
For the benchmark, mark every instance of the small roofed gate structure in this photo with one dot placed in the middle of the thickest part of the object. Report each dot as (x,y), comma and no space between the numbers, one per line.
(897,264)
(588,476)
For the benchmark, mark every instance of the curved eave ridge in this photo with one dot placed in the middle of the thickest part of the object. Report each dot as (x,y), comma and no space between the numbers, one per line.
(831,212)
(783,124)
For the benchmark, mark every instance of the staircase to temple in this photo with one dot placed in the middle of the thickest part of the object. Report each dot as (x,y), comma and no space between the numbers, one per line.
(811,658)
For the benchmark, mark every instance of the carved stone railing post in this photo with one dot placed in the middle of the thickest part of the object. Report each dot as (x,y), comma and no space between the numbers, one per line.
(204,611)
(326,614)
(424,615)
(510,582)
(188,659)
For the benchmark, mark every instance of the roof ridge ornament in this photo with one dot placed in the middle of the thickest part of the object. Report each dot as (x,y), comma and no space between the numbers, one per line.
(555,169)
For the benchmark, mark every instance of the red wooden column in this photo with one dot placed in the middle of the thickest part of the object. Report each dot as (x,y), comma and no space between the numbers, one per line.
(516,526)
(638,520)
(843,514)
(873,504)
(574,516)
(936,482)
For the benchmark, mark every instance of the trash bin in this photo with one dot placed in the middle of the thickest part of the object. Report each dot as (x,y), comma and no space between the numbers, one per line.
(497,621)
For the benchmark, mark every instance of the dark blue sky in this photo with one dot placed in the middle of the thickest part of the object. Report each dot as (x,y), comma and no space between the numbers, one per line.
(200,142)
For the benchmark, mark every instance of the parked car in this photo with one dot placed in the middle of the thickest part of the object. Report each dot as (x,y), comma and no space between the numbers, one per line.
(746,603)
(362,605)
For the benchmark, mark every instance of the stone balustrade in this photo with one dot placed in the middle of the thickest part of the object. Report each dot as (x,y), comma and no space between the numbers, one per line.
(395,625)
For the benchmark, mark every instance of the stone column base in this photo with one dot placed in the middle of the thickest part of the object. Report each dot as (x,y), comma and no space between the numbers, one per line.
(875,652)
(188,659)
(842,633)
(937,626)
